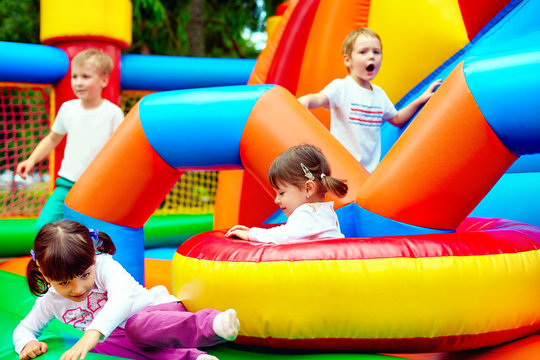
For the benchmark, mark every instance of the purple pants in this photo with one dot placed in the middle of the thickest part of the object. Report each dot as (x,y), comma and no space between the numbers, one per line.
(166,331)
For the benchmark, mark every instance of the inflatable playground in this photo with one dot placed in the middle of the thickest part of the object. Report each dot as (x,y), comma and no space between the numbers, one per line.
(441,257)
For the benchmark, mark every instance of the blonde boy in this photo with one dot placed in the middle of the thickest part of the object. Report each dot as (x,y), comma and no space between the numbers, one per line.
(359,107)
(88,121)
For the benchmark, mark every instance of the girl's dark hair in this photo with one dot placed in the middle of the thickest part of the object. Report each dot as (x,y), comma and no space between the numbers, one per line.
(287,167)
(63,250)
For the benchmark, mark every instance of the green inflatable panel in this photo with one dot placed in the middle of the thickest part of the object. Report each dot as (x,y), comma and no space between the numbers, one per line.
(232,352)
(172,230)
(17,235)
(16,301)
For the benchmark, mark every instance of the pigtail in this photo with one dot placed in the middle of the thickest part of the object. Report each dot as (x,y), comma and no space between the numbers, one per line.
(336,186)
(104,244)
(36,282)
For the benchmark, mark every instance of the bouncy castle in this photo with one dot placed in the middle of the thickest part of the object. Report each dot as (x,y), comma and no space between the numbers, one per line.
(442,240)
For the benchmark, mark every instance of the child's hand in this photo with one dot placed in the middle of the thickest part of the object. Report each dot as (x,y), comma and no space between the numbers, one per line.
(429,91)
(304,101)
(88,341)
(24,167)
(239,231)
(33,349)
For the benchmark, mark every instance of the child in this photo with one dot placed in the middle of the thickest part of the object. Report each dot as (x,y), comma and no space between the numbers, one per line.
(89,121)
(77,281)
(357,106)
(301,178)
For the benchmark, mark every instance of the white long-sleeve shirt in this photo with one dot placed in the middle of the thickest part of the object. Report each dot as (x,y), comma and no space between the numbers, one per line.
(116,296)
(308,222)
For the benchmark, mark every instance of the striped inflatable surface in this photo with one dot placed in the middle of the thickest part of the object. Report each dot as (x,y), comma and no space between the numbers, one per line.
(424,293)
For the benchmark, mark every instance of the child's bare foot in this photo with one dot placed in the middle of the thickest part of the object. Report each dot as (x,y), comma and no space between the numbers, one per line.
(226,325)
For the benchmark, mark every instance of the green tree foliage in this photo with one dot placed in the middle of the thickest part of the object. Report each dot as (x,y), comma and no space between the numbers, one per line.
(19,21)
(197,27)
(212,28)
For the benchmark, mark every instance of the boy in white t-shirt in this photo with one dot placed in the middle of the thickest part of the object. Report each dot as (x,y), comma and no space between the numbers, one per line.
(359,107)
(88,121)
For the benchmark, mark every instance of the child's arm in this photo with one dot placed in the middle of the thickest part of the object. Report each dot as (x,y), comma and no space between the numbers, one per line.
(240,231)
(86,343)
(33,349)
(313,101)
(43,149)
(408,111)
(120,287)
(27,332)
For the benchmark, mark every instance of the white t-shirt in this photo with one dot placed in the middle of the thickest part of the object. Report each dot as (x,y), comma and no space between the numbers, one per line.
(357,115)
(87,131)
(116,296)
(308,222)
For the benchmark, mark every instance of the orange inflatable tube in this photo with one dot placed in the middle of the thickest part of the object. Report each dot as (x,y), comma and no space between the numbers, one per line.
(445,163)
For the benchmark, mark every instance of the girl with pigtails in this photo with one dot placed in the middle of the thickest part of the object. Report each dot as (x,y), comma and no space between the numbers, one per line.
(77,281)
(301,178)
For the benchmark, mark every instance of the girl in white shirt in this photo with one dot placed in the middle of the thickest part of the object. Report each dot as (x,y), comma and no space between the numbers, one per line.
(301,177)
(77,282)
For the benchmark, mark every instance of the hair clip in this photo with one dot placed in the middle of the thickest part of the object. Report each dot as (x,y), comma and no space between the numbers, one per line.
(322,175)
(94,234)
(33,253)
(307,173)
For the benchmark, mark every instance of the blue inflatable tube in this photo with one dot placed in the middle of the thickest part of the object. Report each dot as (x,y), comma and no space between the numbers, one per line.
(32,63)
(199,128)
(506,87)
(160,73)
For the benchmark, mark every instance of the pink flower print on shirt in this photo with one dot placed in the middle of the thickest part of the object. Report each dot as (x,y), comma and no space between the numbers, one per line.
(95,301)
(78,317)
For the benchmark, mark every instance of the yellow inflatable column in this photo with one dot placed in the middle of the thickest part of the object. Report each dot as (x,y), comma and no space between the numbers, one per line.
(75,19)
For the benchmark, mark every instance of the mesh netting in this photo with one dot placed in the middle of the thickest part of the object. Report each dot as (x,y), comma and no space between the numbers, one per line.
(24,121)
(195,192)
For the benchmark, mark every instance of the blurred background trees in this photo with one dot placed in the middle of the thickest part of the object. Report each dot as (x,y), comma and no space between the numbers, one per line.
(19,20)
(212,28)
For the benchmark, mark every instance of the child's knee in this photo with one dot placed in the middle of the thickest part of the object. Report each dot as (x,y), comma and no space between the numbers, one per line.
(134,330)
